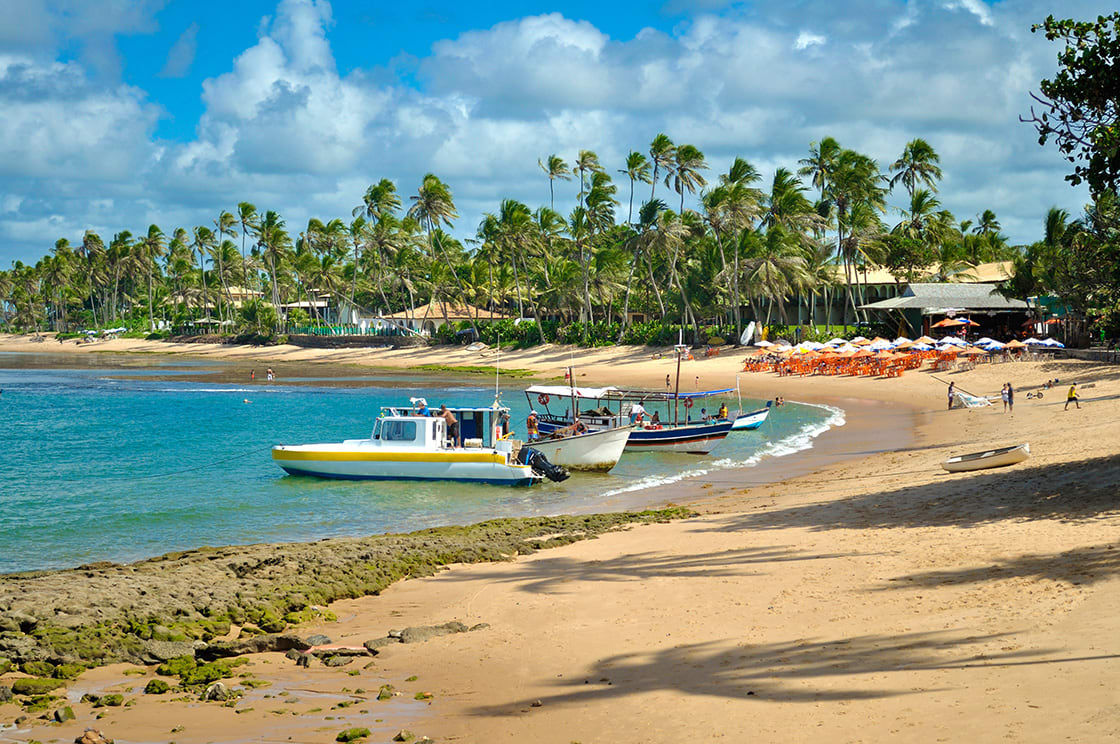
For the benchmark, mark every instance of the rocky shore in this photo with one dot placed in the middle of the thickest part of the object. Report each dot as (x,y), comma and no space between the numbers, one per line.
(215,603)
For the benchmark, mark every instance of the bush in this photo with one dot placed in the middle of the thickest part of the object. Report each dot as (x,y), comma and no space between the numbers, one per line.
(156,687)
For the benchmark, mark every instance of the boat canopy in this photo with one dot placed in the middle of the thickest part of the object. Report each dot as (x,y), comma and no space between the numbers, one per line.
(613,393)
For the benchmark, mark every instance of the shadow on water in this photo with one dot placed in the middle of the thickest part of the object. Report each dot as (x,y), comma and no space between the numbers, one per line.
(782,672)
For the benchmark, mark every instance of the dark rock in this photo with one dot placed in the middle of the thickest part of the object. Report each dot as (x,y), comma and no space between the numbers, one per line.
(304,660)
(536,704)
(156,652)
(217,691)
(92,736)
(21,646)
(156,687)
(294,654)
(90,698)
(109,701)
(5,693)
(480,626)
(394,634)
(325,652)
(337,661)
(404,735)
(5,665)
(317,640)
(37,668)
(377,643)
(64,714)
(253,645)
(35,686)
(352,734)
(422,633)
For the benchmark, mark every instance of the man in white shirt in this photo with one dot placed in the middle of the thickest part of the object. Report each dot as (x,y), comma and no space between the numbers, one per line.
(637,411)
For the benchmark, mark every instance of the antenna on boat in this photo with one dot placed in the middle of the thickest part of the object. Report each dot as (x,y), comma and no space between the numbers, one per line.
(497,371)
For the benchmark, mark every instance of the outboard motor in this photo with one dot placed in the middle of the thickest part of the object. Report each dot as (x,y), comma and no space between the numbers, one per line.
(540,464)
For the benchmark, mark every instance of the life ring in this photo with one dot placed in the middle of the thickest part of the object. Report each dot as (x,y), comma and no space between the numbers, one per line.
(688,402)
(543,399)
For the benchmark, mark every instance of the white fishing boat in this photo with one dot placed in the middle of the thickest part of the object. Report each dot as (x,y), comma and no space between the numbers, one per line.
(592,450)
(995,458)
(751,419)
(407,446)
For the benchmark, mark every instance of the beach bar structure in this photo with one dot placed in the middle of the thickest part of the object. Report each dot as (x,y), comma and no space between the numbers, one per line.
(922,304)
(427,319)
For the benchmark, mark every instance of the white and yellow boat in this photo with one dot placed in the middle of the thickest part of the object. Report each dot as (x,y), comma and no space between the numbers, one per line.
(406,446)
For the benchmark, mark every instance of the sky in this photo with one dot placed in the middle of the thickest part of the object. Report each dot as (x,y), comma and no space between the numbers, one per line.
(117,114)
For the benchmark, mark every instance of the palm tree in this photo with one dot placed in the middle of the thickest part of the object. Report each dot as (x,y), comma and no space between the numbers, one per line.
(152,248)
(587,162)
(661,154)
(247,216)
(380,198)
(775,267)
(274,243)
(433,206)
(637,169)
(917,164)
(225,224)
(554,167)
(855,180)
(203,239)
(821,163)
(688,161)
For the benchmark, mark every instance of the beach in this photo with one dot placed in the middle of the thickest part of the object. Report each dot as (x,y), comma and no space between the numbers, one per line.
(851,592)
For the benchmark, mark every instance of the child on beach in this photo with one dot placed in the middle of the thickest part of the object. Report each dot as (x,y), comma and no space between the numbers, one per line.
(952,390)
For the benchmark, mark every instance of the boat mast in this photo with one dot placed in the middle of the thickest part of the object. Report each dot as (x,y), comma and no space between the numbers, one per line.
(572,387)
(738,394)
(497,370)
(677,389)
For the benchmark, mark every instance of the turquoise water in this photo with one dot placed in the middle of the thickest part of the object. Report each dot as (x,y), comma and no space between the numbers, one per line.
(111,463)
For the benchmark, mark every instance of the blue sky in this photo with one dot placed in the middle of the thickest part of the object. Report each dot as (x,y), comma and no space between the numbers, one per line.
(121,113)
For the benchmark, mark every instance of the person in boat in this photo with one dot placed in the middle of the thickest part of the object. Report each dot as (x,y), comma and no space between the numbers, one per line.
(778,401)
(655,421)
(452,423)
(637,413)
(1071,397)
(531,432)
(722,413)
(704,415)
(422,408)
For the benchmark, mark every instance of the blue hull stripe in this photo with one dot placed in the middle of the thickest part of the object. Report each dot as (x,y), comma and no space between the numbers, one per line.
(336,476)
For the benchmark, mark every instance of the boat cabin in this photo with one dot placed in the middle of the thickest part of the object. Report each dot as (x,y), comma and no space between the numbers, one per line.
(478,427)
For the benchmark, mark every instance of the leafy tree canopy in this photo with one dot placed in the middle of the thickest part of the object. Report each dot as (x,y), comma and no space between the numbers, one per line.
(1080,101)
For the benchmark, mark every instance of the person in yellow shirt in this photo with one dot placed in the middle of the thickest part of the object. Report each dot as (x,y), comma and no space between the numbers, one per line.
(1071,397)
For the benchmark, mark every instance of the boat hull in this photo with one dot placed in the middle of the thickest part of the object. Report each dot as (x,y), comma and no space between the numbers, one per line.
(354,462)
(693,439)
(751,420)
(594,451)
(996,458)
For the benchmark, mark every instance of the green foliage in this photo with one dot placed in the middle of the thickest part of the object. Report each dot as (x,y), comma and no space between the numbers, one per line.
(1081,100)
(352,734)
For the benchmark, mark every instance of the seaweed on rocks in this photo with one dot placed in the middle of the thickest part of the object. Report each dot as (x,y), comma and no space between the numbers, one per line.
(186,601)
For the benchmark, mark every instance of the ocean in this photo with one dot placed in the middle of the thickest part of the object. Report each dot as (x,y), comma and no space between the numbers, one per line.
(125,458)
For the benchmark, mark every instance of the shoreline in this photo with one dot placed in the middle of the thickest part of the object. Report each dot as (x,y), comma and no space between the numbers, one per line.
(868,598)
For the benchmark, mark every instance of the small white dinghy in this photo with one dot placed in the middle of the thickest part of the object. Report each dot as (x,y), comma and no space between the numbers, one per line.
(996,458)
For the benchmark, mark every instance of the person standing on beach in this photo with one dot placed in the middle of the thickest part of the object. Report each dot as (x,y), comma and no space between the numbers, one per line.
(269,374)
(1071,397)
(252,375)
(1010,398)
(1003,394)
(952,390)
(668,385)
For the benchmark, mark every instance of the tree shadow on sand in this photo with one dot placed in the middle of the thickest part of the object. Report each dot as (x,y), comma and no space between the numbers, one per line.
(1051,492)
(780,672)
(555,574)
(1081,566)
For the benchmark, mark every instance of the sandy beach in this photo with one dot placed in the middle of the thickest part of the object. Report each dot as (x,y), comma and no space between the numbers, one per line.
(853,592)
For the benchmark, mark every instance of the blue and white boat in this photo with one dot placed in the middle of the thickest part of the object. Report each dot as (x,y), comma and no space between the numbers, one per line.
(611,408)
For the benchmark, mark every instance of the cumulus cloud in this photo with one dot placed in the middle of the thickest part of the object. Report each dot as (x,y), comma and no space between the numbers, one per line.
(181,56)
(283,127)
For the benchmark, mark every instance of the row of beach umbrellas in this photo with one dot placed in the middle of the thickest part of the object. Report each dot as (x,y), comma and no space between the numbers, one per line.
(924,343)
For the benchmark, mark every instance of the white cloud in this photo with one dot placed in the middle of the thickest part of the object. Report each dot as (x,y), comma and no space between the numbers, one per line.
(181,56)
(285,129)
(806,39)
